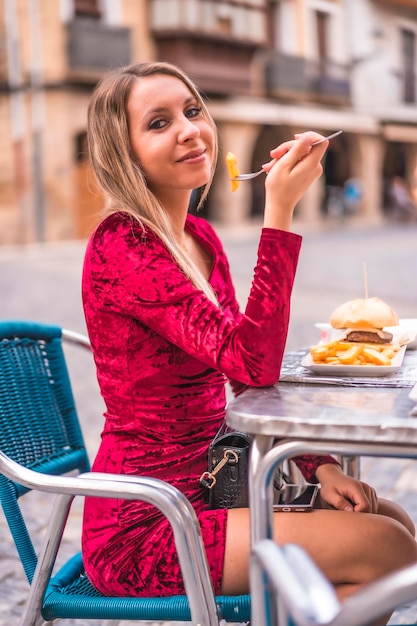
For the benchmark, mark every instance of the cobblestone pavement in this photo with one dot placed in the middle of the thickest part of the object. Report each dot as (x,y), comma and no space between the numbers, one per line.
(42,282)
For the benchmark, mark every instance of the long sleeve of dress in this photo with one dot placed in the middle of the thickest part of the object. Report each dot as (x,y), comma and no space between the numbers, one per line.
(143,282)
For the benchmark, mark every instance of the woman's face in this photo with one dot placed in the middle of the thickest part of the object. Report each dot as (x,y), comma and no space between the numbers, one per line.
(170,138)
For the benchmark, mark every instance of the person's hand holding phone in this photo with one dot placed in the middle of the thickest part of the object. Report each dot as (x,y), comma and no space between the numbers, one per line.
(345,493)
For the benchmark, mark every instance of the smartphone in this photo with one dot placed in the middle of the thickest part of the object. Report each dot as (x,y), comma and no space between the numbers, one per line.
(295,498)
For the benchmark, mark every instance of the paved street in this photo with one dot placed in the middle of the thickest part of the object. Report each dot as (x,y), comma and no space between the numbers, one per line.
(42,282)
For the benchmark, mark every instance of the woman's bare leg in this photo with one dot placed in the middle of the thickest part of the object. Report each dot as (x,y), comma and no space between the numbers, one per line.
(351,549)
(385,507)
(392,509)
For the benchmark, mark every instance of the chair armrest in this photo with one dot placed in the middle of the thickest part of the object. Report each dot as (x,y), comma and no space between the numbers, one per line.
(306,594)
(379,598)
(73,337)
(311,600)
(169,500)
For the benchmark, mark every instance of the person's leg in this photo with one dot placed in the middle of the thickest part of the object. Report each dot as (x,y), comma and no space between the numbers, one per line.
(394,510)
(351,549)
(385,507)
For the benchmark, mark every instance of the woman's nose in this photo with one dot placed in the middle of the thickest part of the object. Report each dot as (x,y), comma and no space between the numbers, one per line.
(188,130)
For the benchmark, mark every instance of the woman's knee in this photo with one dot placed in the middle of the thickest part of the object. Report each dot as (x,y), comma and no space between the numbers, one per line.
(394,543)
(350,547)
(394,510)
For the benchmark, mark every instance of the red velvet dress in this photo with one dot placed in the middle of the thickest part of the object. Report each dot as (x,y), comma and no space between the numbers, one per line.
(163,354)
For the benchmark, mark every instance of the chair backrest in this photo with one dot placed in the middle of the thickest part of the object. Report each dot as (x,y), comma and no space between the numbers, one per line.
(39,425)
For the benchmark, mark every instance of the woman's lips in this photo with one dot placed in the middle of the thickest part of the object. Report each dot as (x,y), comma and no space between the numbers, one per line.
(195,156)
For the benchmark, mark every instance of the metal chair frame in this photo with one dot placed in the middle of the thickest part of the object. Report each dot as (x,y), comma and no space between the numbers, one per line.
(309,599)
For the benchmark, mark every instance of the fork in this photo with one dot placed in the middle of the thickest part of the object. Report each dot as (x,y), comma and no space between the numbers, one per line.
(255,174)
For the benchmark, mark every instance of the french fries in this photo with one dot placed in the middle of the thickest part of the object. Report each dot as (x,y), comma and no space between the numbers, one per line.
(351,353)
(231,163)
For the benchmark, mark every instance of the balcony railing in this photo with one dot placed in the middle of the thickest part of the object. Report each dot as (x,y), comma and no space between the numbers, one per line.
(330,80)
(94,47)
(214,41)
(219,65)
(290,77)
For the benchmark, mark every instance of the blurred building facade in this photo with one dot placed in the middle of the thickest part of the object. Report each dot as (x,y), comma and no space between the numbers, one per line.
(270,69)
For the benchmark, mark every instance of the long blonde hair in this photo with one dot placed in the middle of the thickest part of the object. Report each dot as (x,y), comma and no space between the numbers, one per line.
(119,174)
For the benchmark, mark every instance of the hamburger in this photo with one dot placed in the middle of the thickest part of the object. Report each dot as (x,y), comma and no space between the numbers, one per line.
(364,320)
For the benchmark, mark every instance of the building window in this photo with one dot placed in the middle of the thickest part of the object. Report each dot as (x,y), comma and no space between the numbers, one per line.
(88,8)
(409,64)
(322,25)
(273,24)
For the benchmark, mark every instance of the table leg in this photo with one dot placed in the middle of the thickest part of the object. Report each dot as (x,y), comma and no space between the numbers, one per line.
(351,466)
(261,527)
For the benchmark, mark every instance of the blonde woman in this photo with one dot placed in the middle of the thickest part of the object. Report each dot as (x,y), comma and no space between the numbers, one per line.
(167,334)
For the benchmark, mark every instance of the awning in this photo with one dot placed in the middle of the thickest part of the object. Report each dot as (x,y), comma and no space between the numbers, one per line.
(259,111)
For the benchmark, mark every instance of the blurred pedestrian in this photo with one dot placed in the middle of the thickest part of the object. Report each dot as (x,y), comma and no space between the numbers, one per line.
(403,206)
(352,195)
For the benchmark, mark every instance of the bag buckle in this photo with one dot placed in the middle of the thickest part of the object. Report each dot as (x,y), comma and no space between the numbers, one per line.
(208,479)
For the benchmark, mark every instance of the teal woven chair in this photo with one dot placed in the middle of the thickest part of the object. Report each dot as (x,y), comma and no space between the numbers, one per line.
(42,448)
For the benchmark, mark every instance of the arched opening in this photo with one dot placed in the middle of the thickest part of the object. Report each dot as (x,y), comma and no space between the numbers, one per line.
(268,138)
(396,201)
(337,173)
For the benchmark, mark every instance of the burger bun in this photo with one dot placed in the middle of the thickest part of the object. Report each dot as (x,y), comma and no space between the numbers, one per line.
(363,314)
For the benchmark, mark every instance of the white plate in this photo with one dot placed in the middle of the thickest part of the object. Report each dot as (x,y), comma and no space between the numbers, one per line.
(360,371)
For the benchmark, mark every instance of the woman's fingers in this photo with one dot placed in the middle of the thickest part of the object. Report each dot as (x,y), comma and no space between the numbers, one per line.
(277,153)
(300,146)
(297,149)
(294,167)
(283,148)
(268,166)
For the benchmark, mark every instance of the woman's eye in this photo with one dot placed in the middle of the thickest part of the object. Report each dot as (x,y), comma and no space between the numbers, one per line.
(157,124)
(193,112)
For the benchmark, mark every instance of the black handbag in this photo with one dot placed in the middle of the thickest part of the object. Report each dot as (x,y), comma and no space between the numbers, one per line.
(227,476)
(226,479)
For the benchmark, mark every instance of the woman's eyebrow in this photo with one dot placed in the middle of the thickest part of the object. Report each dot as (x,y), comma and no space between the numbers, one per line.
(163,109)
(156,110)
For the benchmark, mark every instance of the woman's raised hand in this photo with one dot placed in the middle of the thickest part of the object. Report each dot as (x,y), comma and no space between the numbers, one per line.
(295,165)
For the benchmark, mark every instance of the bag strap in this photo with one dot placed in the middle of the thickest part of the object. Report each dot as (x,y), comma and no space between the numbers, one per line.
(208,479)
